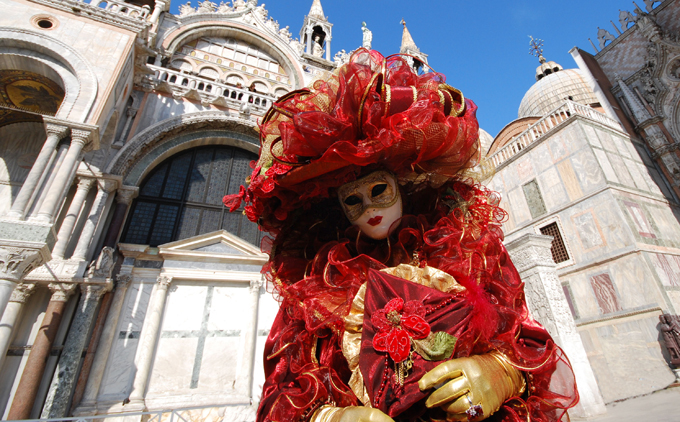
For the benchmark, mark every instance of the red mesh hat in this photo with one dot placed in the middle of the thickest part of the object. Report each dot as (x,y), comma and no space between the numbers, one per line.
(372,113)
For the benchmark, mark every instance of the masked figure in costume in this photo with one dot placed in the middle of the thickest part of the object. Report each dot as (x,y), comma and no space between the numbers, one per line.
(398,300)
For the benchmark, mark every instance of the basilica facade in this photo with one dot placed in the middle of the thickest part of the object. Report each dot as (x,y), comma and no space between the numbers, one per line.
(127,289)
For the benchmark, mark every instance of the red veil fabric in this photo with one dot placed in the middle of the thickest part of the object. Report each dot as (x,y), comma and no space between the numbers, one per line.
(304,364)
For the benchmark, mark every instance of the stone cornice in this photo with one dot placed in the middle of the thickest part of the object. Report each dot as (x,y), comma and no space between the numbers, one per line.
(138,26)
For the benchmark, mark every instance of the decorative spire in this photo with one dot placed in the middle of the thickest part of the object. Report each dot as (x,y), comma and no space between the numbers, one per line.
(536,48)
(407,43)
(316,10)
(546,67)
(639,111)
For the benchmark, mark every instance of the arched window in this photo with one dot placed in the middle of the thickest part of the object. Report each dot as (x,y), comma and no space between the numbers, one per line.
(182,197)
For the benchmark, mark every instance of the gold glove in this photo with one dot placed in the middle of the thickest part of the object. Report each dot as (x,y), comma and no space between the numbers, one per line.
(472,388)
(349,414)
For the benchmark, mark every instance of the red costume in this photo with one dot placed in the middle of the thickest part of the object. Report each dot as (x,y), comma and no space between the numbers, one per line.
(375,113)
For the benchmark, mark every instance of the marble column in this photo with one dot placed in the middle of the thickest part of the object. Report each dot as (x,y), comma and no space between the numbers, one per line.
(29,384)
(66,373)
(104,189)
(308,47)
(66,229)
(158,8)
(11,316)
(548,305)
(244,378)
(147,343)
(15,263)
(124,197)
(54,134)
(64,176)
(89,401)
(328,48)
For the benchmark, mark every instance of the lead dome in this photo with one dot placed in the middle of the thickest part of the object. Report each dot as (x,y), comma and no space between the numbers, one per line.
(553,87)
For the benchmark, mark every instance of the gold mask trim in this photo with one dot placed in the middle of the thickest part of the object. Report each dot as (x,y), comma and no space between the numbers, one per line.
(384,199)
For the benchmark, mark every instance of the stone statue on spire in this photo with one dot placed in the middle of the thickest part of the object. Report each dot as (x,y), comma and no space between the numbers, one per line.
(368,36)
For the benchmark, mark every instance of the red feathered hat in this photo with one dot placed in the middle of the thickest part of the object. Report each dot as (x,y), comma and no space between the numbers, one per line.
(373,112)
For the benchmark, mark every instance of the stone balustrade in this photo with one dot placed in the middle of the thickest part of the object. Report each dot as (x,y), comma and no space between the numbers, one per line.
(566,111)
(122,8)
(185,83)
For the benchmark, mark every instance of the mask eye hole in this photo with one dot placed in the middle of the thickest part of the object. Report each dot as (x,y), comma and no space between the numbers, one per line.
(378,189)
(352,200)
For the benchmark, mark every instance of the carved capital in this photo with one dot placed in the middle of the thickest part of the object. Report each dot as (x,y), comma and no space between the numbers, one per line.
(82,136)
(62,291)
(107,185)
(22,292)
(164,281)
(16,262)
(94,292)
(255,285)
(126,194)
(85,183)
(56,130)
(123,281)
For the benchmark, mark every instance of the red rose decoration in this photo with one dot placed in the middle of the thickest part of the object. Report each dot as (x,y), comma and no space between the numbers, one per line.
(397,323)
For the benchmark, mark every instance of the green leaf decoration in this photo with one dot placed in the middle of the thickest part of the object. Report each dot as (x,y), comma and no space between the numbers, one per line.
(437,346)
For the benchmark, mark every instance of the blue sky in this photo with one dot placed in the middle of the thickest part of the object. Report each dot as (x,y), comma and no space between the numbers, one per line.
(481,46)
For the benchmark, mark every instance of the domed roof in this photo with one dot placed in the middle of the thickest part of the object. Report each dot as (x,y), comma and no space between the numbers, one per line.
(552,90)
(485,139)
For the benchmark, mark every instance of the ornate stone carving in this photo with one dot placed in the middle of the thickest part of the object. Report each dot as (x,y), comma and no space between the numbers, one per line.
(58,130)
(103,266)
(148,139)
(603,36)
(125,194)
(626,19)
(256,285)
(22,292)
(649,28)
(186,9)
(164,280)
(224,8)
(62,291)
(15,263)
(206,6)
(341,57)
(123,280)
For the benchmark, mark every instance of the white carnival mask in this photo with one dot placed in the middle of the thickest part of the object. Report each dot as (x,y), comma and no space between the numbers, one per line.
(373,203)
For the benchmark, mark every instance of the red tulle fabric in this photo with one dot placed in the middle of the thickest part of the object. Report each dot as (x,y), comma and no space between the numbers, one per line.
(329,133)
(304,364)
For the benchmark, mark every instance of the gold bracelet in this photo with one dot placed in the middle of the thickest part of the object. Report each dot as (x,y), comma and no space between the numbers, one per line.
(325,413)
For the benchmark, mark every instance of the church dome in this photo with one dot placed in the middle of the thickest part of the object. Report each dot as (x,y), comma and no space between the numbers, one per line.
(553,89)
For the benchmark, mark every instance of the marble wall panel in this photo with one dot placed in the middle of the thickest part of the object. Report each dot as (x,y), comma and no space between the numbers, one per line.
(554,193)
(558,148)
(645,173)
(510,176)
(607,141)
(606,165)
(634,171)
(525,170)
(617,235)
(583,297)
(519,208)
(665,222)
(630,362)
(591,135)
(120,368)
(173,366)
(569,179)
(667,268)
(588,230)
(267,311)
(541,158)
(587,170)
(622,146)
(202,340)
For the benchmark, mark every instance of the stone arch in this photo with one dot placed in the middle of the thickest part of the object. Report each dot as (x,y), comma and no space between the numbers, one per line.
(284,54)
(46,55)
(210,67)
(191,64)
(158,142)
